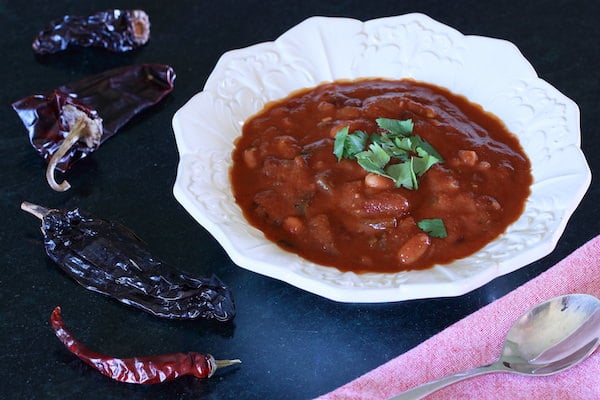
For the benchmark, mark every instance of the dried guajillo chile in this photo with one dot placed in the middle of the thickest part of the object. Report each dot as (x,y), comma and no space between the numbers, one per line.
(72,121)
(106,257)
(114,30)
(140,370)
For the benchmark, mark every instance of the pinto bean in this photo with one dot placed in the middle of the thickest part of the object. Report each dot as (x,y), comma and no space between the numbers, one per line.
(323,181)
(351,170)
(251,157)
(468,157)
(375,181)
(348,112)
(429,112)
(484,165)
(385,203)
(326,109)
(293,224)
(285,147)
(414,248)
(376,107)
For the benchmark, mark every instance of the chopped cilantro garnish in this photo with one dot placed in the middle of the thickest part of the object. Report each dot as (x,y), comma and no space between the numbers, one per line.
(403,174)
(374,159)
(394,152)
(396,127)
(425,161)
(340,142)
(434,227)
(347,145)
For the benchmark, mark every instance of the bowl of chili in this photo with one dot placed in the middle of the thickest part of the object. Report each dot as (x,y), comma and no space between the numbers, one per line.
(489,72)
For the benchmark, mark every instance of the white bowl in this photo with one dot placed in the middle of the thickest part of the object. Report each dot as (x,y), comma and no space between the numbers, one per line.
(487,71)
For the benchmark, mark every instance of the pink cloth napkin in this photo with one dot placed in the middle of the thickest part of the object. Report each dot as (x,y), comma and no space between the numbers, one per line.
(478,339)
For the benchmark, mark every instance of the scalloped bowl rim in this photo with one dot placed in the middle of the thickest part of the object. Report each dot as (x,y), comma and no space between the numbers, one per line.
(200,187)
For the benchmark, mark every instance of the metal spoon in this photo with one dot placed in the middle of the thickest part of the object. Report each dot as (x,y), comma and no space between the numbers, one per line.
(549,338)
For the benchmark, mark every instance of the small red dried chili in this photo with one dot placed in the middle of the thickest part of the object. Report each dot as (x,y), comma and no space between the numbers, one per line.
(73,120)
(140,370)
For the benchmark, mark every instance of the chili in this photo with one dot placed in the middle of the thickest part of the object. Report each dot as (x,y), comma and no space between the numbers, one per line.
(378,175)
(140,370)
(114,30)
(73,120)
(108,258)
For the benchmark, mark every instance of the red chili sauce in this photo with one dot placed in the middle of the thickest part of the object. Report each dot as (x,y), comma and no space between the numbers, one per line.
(290,185)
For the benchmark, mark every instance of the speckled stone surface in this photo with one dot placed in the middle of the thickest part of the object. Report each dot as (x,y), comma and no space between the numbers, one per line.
(293,344)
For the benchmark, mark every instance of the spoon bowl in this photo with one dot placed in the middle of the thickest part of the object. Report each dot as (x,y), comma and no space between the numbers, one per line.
(551,337)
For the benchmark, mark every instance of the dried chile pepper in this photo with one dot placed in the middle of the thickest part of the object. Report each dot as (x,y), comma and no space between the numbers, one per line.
(106,257)
(114,30)
(73,120)
(141,370)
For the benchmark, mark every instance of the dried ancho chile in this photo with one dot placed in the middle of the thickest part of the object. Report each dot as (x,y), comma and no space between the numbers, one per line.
(106,257)
(73,120)
(114,30)
(140,370)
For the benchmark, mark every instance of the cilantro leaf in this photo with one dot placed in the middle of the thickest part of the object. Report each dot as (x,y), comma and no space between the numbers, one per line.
(355,143)
(434,227)
(425,161)
(374,159)
(406,144)
(396,127)
(340,142)
(386,143)
(347,145)
(427,147)
(403,175)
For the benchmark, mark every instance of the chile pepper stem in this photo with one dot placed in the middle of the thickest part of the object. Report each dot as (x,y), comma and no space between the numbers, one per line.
(34,209)
(73,137)
(225,363)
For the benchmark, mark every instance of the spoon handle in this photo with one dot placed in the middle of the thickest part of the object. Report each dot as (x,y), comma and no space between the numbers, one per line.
(427,388)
